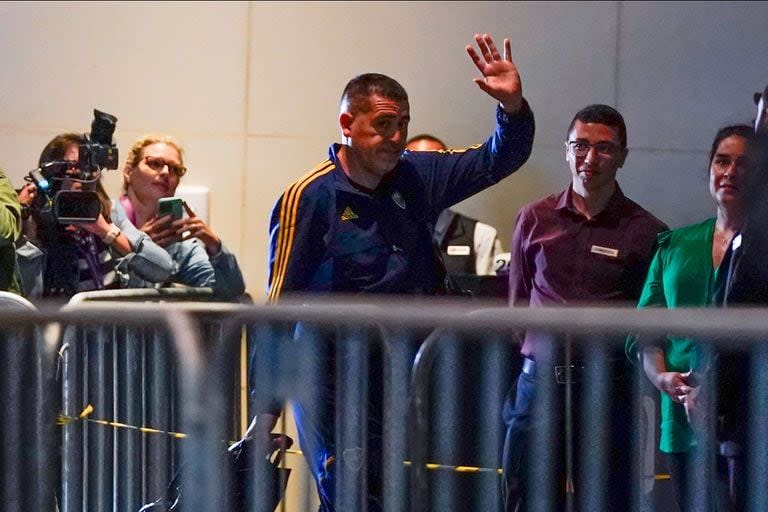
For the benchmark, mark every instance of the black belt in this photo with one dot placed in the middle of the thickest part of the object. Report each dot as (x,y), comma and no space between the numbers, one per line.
(572,373)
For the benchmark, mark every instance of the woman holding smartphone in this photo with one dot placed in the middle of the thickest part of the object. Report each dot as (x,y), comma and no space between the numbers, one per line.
(153,169)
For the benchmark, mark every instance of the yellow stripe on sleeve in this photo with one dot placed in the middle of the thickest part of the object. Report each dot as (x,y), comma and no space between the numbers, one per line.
(287,229)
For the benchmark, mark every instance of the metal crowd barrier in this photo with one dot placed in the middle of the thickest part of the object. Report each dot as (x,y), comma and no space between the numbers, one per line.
(151,369)
(27,408)
(129,375)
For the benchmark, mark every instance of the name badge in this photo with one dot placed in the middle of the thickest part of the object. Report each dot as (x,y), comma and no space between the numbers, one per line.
(458,250)
(605,251)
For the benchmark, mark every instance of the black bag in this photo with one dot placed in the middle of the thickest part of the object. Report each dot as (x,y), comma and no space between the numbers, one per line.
(246,465)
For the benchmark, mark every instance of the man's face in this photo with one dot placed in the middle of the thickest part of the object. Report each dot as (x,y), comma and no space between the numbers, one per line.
(727,169)
(377,137)
(594,155)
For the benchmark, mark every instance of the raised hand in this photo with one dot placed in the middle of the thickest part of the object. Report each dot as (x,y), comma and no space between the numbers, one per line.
(500,79)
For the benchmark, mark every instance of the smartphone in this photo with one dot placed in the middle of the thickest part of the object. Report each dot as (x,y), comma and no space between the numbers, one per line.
(170,206)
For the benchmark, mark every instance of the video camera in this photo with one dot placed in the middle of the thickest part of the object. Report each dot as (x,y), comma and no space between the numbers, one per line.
(54,180)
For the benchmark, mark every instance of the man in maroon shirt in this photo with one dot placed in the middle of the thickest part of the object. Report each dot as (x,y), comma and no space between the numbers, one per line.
(587,245)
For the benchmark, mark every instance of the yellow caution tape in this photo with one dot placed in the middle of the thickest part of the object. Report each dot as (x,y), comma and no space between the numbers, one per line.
(83,416)
(63,419)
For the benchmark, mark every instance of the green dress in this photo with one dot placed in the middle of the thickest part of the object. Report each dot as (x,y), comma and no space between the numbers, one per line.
(680,275)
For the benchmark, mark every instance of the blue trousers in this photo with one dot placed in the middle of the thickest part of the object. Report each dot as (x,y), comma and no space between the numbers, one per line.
(558,472)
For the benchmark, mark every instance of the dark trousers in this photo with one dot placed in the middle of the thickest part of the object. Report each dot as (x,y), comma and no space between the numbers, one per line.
(565,466)
(719,497)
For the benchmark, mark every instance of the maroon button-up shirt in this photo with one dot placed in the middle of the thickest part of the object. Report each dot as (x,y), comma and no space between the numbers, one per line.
(559,257)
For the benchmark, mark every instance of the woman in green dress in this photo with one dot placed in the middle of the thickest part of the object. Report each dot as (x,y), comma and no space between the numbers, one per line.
(684,273)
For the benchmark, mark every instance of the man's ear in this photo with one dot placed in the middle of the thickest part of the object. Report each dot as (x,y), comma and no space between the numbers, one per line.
(345,121)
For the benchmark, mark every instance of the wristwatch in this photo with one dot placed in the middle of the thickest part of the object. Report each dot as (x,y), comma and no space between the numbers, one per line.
(113,233)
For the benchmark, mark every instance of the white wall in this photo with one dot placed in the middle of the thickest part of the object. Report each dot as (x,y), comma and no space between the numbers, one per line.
(251,89)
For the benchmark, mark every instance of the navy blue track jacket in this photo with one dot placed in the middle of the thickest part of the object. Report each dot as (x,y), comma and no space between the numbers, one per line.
(326,235)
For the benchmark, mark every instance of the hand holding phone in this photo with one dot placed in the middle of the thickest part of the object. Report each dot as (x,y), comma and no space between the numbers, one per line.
(173,206)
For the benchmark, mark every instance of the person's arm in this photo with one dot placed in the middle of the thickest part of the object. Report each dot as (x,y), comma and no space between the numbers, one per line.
(229,282)
(673,384)
(140,256)
(110,234)
(297,228)
(10,213)
(454,175)
(651,352)
(652,295)
(215,266)
(520,270)
(193,267)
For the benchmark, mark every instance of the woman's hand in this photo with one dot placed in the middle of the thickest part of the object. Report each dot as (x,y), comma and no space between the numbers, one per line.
(194,227)
(162,230)
(674,384)
(165,231)
(99,228)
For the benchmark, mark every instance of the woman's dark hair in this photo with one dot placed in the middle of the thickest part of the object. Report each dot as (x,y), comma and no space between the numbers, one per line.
(739,130)
(58,146)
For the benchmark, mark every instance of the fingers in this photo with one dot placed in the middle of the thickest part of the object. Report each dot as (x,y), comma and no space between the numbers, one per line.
(188,209)
(482,84)
(475,57)
(485,48)
(507,50)
(491,47)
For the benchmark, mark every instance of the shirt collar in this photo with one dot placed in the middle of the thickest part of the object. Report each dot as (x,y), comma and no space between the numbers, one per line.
(613,208)
(343,182)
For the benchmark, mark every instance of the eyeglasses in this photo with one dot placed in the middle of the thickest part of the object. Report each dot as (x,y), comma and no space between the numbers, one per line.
(157,164)
(580,148)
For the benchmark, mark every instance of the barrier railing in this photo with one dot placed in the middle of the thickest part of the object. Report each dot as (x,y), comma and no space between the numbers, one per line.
(131,374)
(169,378)
(27,408)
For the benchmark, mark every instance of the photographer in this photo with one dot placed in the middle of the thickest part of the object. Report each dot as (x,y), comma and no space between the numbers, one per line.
(81,257)
(153,170)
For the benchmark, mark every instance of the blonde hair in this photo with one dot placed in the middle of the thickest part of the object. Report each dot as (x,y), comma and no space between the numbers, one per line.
(134,154)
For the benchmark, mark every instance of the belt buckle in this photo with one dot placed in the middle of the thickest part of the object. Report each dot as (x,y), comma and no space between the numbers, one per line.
(566,374)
